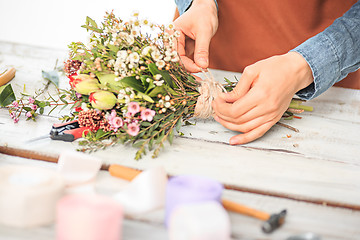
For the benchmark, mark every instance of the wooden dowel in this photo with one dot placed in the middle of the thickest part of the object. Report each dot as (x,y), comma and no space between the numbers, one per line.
(244,210)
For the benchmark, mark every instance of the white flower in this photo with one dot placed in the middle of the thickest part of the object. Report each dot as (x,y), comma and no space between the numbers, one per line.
(159,83)
(122,55)
(111,62)
(156,55)
(135,14)
(130,66)
(148,80)
(135,32)
(157,77)
(121,96)
(167,59)
(146,50)
(167,104)
(84,106)
(171,26)
(167,98)
(134,57)
(145,22)
(175,59)
(160,64)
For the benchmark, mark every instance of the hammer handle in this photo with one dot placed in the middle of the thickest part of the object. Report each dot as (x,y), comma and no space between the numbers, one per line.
(244,210)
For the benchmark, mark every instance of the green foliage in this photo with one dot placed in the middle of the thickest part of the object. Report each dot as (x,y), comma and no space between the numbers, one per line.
(7,95)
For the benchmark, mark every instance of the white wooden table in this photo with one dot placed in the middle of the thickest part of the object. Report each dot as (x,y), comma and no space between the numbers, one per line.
(314,174)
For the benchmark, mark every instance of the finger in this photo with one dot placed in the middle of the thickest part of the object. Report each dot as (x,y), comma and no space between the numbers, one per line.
(244,127)
(189,64)
(235,110)
(249,76)
(201,54)
(252,135)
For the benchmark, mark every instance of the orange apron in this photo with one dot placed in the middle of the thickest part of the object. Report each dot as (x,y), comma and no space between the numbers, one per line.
(251,30)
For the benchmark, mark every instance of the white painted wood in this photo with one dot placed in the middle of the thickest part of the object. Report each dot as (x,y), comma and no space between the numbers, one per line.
(322,164)
(328,222)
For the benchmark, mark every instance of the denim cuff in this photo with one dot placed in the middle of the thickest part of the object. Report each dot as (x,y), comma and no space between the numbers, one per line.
(184,5)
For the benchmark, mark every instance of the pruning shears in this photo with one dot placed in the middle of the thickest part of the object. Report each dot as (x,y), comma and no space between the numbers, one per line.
(67,132)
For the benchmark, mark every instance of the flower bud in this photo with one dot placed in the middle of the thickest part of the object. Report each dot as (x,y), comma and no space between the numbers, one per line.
(84,84)
(102,100)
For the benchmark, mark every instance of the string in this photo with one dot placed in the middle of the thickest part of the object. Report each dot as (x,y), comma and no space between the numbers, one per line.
(209,90)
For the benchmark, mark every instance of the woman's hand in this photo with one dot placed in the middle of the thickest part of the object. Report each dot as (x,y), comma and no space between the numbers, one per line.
(262,95)
(198,24)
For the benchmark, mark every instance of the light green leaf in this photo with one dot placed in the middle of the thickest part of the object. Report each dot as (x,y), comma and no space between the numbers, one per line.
(145,97)
(109,81)
(7,95)
(51,76)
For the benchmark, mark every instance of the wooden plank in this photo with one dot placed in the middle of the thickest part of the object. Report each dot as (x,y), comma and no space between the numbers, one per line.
(328,222)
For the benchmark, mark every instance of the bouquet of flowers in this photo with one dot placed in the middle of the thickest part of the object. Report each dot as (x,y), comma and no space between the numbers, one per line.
(130,87)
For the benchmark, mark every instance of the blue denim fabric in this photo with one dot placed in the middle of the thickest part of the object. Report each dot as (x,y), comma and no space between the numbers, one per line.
(333,53)
(183,5)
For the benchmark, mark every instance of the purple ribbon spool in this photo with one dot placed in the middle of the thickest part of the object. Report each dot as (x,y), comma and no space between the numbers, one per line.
(190,189)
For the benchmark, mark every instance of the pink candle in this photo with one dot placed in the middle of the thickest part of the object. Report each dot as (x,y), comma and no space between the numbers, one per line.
(90,217)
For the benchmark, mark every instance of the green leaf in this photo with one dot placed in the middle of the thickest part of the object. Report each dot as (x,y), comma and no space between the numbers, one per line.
(138,143)
(100,134)
(145,97)
(171,136)
(178,125)
(109,81)
(134,83)
(7,95)
(166,76)
(112,48)
(156,91)
(51,76)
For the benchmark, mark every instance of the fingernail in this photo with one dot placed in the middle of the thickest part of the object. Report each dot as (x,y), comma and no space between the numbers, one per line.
(203,61)
(232,141)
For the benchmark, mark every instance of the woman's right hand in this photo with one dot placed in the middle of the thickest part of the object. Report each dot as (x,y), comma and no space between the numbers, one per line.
(196,26)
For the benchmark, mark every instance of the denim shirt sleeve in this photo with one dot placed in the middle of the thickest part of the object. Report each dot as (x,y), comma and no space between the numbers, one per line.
(184,5)
(333,53)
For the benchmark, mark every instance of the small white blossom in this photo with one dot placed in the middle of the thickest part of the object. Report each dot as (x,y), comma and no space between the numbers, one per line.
(160,64)
(156,55)
(84,106)
(122,55)
(167,104)
(159,83)
(148,80)
(171,26)
(146,50)
(134,57)
(167,98)
(157,77)
(167,59)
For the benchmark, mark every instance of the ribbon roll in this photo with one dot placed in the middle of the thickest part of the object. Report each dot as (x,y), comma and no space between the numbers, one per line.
(78,168)
(190,189)
(146,192)
(199,221)
(90,217)
(28,195)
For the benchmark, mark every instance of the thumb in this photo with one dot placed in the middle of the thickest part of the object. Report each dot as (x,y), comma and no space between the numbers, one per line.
(201,54)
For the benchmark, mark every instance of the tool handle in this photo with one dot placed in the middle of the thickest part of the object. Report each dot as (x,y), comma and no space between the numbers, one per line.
(241,209)
(77,132)
(59,125)
(125,173)
(6,76)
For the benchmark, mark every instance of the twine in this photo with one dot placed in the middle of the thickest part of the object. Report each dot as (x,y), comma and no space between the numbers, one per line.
(209,90)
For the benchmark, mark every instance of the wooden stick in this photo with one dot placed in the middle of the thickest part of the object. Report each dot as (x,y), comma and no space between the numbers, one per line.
(244,210)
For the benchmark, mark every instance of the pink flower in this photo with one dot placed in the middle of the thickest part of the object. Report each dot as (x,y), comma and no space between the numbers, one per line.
(133,107)
(112,115)
(116,123)
(16,120)
(15,104)
(33,107)
(12,114)
(147,115)
(133,129)
(28,114)
(31,100)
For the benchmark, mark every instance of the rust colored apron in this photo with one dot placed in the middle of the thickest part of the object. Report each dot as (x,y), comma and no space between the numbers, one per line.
(252,30)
